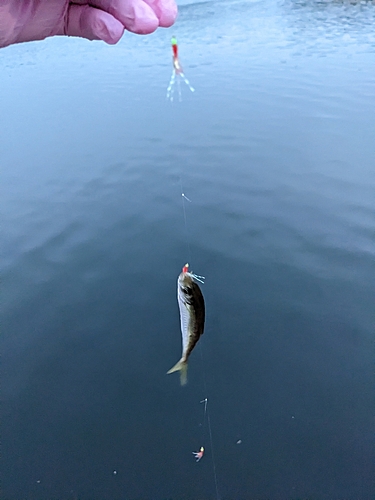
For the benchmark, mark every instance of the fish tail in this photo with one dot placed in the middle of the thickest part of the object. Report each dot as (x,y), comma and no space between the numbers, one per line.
(181,367)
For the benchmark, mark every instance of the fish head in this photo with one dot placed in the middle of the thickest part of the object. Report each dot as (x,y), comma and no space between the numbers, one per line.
(185,279)
(185,282)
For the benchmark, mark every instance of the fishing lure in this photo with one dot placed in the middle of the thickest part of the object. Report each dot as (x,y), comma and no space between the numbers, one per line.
(198,454)
(177,74)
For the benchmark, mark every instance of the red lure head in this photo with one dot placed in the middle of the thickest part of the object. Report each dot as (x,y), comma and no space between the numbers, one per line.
(185,269)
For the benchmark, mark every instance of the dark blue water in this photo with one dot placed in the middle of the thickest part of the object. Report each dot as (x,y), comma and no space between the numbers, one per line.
(276,151)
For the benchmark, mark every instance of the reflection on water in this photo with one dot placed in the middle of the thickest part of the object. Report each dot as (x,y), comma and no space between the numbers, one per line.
(275,150)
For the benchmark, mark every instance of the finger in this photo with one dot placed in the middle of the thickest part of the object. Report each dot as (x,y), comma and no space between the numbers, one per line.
(93,24)
(165,11)
(140,16)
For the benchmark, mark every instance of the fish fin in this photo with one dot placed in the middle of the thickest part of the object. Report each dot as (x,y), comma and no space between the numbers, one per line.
(181,367)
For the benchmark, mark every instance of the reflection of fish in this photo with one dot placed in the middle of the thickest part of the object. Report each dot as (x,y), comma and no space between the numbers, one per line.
(192,313)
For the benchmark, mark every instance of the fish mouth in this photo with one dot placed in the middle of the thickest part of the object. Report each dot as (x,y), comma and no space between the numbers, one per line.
(185,278)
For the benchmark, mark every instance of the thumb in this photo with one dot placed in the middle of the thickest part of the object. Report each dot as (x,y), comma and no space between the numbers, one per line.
(94,24)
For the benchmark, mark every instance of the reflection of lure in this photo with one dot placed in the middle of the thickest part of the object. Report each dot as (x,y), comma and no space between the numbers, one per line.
(198,454)
(177,73)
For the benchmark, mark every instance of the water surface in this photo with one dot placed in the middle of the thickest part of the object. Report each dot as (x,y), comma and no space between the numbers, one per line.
(276,151)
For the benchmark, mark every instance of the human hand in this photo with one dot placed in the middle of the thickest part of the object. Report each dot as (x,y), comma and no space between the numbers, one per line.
(26,20)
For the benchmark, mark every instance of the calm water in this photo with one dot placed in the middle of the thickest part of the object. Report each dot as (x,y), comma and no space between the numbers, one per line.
(276,151)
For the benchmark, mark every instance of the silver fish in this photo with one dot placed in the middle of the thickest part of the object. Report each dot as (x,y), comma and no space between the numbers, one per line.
(192,314)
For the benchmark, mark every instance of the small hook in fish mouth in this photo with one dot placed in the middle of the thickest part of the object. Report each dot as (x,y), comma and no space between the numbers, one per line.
(185,270)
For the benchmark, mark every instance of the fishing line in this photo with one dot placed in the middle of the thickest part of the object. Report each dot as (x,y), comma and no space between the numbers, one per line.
(207,413)
(178,74)
(185,199)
